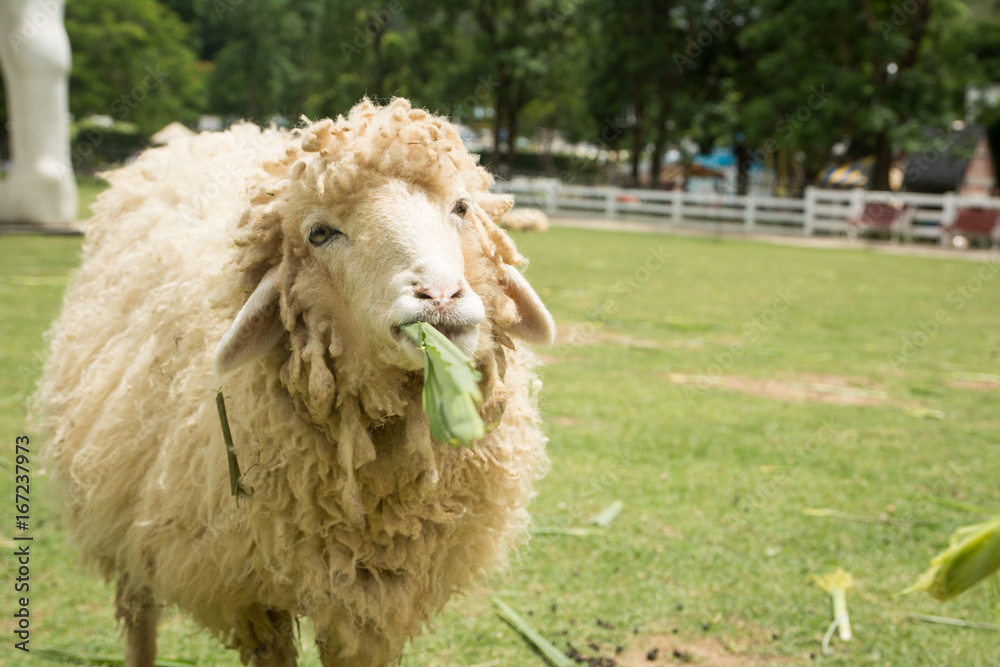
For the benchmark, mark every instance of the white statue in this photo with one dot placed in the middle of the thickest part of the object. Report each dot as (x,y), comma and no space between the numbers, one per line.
(35,54)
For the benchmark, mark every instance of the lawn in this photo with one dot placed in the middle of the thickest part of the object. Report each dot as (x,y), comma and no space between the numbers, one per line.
(88,187)
(718,389)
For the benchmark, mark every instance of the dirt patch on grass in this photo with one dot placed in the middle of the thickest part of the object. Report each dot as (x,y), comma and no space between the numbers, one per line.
(663,650)
(980,381)
(973,384)
(801,388)
(585,334)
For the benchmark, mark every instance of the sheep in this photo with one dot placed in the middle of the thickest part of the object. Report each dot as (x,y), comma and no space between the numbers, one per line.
(279,266)
(525,219)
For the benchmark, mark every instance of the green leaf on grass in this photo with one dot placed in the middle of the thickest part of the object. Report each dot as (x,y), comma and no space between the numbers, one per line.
(973,555)
(451,387)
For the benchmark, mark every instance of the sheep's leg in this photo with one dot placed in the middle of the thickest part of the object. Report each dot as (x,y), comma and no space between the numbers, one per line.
(140,638)
(266,639)
(138,613)
(373,651)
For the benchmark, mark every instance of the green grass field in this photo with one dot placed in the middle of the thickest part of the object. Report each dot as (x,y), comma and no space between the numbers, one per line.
(717,389)
(88,187)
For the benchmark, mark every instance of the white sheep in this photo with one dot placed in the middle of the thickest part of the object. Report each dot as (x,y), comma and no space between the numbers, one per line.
(289,260)
(525,219)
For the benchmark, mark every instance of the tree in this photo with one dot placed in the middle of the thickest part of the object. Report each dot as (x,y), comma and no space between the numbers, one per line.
(622,65)
(263,54)
(132,61)
(362,50)
(661,71)
(865,76)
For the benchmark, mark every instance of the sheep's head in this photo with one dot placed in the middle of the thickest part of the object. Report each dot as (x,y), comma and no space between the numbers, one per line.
(391,256)
(379,220)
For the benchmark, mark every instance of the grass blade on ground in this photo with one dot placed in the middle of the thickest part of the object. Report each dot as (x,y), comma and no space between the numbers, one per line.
(608,514)
(944,620)
(553,655)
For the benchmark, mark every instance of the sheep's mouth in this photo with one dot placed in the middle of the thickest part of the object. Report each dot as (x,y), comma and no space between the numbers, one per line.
(450,331)
(464,335)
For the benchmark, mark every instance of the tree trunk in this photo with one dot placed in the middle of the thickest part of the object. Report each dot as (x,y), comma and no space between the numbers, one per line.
(782,185)
(548,162)
(655,161)
(498,116)
(501,117)
(512,113)
(380,70)
(251,95)
(743,162)
(638,141)
(883,161)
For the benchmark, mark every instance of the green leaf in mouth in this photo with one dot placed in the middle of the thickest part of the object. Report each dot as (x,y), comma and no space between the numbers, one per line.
(451,387)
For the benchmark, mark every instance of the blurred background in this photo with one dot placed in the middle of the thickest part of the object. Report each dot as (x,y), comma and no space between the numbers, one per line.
(731,96)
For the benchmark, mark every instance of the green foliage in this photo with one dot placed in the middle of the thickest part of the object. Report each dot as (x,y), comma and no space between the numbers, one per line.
(95,146)
(514,57)
(781,81)
(263,55)
(132,60)
(886,80)
(366,48)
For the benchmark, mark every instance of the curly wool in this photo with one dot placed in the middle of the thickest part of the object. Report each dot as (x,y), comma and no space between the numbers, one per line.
(358,519)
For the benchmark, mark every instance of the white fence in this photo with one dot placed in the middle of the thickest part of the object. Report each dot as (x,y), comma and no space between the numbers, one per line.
(820,211)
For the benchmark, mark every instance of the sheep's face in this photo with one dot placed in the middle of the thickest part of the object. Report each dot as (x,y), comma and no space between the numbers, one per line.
(396,257)
(392,254)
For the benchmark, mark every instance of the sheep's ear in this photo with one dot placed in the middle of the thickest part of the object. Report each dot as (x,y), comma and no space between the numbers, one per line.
(534,323)
(256,329)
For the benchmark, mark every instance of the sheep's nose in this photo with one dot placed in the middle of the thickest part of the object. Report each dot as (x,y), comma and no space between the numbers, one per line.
(439,297)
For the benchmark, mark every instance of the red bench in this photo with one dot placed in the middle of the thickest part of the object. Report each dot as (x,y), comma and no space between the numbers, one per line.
(973,223)
(893,217)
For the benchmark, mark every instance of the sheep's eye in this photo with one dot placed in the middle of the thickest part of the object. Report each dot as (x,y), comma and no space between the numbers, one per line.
(323,234)
(461,208)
